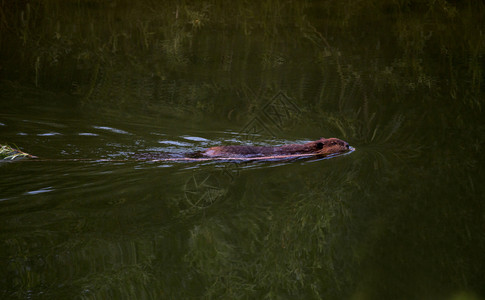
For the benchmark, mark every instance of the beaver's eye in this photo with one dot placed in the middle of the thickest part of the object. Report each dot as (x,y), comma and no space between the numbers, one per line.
(319,145)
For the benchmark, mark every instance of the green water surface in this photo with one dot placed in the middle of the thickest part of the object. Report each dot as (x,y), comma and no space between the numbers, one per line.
(87,86)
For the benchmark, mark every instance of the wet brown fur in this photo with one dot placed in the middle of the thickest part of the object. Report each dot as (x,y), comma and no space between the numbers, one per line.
(319,147)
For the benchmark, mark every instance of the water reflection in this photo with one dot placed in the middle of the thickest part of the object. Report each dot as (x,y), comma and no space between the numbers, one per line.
(399,218)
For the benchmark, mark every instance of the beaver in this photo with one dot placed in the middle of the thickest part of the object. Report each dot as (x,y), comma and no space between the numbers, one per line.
(321,147)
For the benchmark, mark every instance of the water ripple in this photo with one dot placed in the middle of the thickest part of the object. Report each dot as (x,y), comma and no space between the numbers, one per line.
(40,191)
(195,138)
(88,134)
(49,134)
(115,130)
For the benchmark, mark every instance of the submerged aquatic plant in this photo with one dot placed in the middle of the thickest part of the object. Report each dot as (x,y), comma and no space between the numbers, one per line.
(8,152)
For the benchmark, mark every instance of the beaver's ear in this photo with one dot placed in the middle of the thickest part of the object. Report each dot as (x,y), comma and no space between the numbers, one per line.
(319,146)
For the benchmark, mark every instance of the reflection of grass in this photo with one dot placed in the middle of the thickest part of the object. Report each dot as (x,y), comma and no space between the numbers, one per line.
(8,152)
(276,251)
(150,41)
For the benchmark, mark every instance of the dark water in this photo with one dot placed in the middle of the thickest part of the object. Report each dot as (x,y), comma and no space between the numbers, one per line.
(402,217)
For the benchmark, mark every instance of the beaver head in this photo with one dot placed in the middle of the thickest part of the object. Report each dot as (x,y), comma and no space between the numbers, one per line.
(328,146)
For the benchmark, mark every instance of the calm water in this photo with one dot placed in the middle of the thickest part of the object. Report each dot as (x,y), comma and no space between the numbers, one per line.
(402,217)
